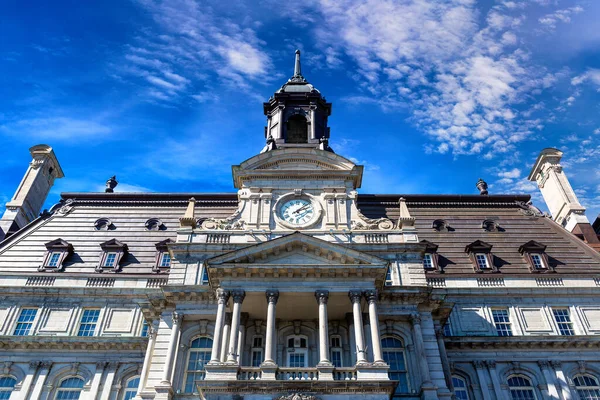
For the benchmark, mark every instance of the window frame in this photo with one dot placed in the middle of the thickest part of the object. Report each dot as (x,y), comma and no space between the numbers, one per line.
(9,389)
(31,324)
(569,323)
(186,371)
(497,324)
(58,247)
(257,350)
(297,349)
(59,387)
(532,248)
(578,388)
(530,387)
(336,349)
(96,323)
(126,389)
(110,247)
(464,389)
(481,248)
(402,351)
(162,248)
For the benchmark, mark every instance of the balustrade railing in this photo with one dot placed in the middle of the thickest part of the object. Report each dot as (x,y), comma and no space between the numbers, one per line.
(297,374)
(249,374)
(344,374)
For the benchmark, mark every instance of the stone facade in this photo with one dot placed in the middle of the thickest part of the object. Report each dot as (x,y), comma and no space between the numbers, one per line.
(298,288)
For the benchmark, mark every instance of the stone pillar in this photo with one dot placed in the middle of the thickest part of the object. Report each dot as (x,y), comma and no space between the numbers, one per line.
(322,297)
(562,381)
(355,297)
(550,379)
(109,379)
(168,368)
(491,366)
(374,319)
(313,121)
(272,297)
(242,337)
(415,319)
(351,338)
(225,335)
(152,332)
(238,298)
(100,367)
(483,382)
(439,335)
(40,382)
(26,386)
(222,298)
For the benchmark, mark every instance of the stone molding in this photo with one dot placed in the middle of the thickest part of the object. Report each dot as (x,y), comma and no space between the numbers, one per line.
(72,343)
(522,342)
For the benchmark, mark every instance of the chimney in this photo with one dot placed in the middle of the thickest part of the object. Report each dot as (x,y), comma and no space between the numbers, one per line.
(32,192)
(559,195)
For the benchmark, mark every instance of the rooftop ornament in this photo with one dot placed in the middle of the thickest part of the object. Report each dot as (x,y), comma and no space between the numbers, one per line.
(482,186)
(111,184)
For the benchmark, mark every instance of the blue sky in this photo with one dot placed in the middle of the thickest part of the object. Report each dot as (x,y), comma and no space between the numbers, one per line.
(428,95)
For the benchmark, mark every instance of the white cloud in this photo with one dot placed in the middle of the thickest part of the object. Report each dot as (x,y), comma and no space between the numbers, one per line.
(564,16)
(57,128)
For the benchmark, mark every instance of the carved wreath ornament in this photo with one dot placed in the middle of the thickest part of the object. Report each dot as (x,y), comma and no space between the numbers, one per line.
(297,396)
(370,223)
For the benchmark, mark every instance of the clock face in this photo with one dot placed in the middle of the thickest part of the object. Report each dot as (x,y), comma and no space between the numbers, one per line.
(297,212)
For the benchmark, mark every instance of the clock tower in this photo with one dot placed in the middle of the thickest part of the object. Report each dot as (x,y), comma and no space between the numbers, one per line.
(297,182)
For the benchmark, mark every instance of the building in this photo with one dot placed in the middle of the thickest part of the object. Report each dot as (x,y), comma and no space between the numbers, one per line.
(297,287)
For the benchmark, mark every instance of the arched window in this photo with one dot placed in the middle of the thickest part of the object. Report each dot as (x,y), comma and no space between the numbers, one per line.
(131,388)
(460,387)
(521,388)
(393,354)
(297,130)
(587,387)
(69,389)
(7,384)
(198,356)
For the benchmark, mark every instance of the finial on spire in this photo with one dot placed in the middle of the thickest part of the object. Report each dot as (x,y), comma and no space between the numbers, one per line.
(482,186)
(297,68)
(111,184)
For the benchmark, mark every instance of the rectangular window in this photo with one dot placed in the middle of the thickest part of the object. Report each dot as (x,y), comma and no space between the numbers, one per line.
(89,319)
(336,358)
(336,341)
(538,262)
(502,322)
(144,332)
(53,260)
(204,275)
(165,260)
(482,261)
(257,357)
(25,321)
(110,259)
(563,320)
(257,341)
(428,261)
(297,360)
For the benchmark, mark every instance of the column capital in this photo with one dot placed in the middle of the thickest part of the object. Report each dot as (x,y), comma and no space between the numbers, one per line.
(355,296)
(322,296)
(555,364)
(238,295)
(272,296)
(478,364)
(222,296)
(177,317)
(33,365)
(491,364)
(544,364)
(371,295)
(415,318)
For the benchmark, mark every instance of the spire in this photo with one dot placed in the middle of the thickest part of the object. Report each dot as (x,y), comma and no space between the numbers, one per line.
(297,70)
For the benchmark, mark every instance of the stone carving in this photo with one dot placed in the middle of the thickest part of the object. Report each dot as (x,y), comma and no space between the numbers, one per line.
(66,207)
(233,222)
(527,208)
(297,396)
(370,223)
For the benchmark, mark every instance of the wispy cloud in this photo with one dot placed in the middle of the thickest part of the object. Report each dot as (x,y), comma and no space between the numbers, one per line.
(56,128)
(564,16)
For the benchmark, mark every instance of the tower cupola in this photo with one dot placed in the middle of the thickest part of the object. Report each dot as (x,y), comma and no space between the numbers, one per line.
(297,115)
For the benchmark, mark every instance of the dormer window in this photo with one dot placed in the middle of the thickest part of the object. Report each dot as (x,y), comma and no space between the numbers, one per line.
(163,257)
(430,257)
(57,251)
(481,255)
(535,254)
(113,253)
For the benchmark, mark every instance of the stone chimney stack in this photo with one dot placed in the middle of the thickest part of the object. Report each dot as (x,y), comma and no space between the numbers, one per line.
(31,194)
(559,195)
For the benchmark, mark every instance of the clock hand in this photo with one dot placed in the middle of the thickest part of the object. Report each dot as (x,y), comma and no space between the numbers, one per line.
(301,209)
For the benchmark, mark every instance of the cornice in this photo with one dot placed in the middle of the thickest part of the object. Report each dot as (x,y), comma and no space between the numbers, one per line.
(71,343)
(521,342)
(271,387)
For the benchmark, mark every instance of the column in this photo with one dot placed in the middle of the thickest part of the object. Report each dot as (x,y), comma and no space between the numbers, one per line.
(562,381)
(152,332)
(313,121)
(100,367)
(108,381)
(272,297)
(351,338)
(26,386)
(166,377)
(355,297)
(225,341)
(491,366)
(242,337)
(415,319)
(322,296)
(550,379)
(439,335)
(238,298)
(40,382)
(374,320)
(222,298)
(483,382)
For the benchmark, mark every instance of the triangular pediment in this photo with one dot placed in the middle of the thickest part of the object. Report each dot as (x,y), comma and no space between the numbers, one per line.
(297,249)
